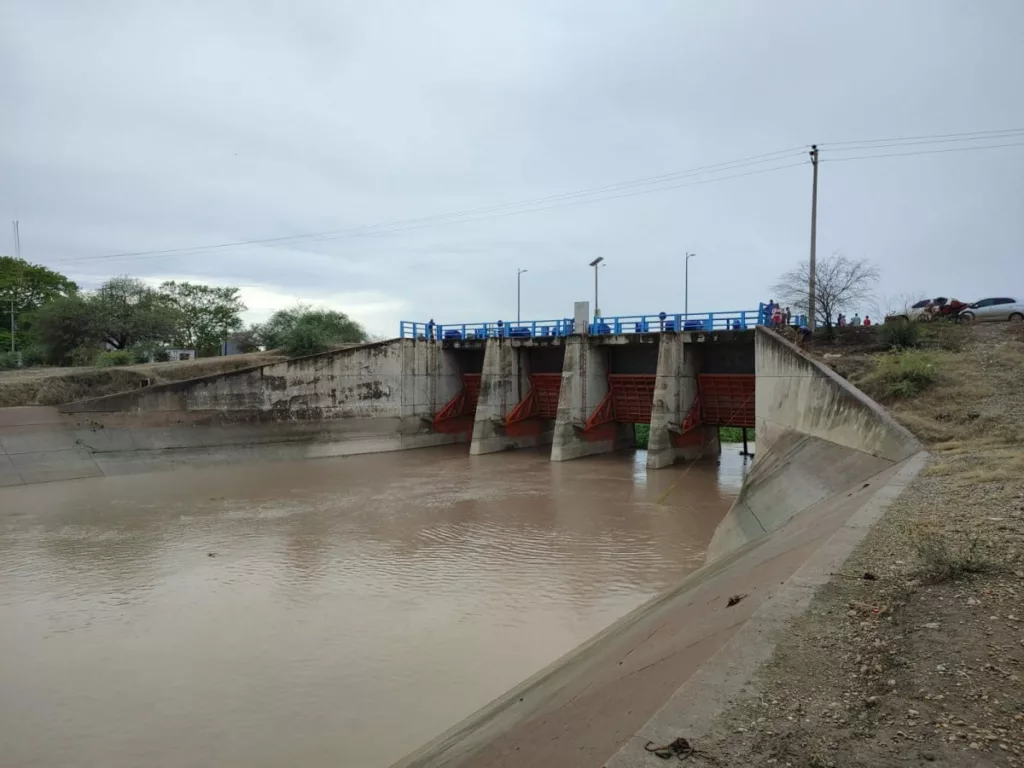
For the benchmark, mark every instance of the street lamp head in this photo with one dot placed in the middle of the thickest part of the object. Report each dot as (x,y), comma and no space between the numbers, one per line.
(596,261)
(521,271)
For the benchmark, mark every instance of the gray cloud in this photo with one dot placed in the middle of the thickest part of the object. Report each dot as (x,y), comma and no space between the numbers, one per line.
(144,126)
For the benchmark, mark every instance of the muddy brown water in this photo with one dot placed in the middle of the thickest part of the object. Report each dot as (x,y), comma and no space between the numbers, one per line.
(336,612)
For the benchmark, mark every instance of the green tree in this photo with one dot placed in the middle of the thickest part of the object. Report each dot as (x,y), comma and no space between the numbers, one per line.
(62,326)
(122,313)
(305,330)
(28,286)
(207,314)
(127,312)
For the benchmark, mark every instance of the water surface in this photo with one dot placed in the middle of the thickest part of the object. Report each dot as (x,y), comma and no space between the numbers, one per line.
(336,612)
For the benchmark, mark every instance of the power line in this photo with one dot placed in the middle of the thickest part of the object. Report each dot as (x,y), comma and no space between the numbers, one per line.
(439,218)
(974,139)
(922,152)
(967,135)
(358,231)
(646,185)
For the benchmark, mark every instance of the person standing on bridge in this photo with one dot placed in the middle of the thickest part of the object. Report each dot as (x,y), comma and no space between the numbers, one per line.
(787,317)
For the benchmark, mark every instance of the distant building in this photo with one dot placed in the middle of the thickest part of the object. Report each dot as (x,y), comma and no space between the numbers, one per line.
(177,355)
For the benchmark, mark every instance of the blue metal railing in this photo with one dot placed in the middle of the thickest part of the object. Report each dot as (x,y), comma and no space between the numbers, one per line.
(738,319)
(498,329)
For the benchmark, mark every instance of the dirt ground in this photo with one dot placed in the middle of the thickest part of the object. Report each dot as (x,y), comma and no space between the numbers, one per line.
(914,654)
(53,386)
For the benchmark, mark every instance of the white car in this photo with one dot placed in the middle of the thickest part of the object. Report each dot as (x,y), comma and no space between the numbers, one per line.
(994,309)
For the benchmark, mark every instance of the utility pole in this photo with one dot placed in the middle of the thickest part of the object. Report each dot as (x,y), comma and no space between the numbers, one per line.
(814,238)
(519,292)
(686,302)
(596,263)
(17,255)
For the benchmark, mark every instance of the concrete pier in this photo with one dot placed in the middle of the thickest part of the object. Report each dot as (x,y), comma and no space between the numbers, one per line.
(584,386)
(675,393)
(507,379)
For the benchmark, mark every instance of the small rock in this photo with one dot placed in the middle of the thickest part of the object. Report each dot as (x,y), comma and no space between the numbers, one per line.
(912,713)
(930,625)
(892,683)
(929,756)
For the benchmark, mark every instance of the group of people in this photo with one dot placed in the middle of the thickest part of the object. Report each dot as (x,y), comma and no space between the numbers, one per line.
(777,316)
(842,321)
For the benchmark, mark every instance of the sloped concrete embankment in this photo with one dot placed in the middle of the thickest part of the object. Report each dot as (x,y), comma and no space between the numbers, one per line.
(829,462)
(375,397)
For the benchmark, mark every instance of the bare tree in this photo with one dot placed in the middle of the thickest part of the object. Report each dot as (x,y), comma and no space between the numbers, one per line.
(840,284)
(898,305)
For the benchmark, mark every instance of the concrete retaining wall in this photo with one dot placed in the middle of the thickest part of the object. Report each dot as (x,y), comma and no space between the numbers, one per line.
(376,397)
(817,436)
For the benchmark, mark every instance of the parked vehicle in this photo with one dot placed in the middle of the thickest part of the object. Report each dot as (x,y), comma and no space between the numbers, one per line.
(930,309)
(1002,308)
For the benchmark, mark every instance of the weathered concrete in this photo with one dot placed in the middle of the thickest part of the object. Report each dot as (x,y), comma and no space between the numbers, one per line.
(675,390)
(806,504)
(376,397)
(817,435)
(503,383)
(584,385)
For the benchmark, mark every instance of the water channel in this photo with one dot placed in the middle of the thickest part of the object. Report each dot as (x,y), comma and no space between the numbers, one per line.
(335,612)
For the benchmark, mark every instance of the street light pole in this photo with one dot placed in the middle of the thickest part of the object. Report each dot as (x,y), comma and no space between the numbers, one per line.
(596,263)
(686,300)
(519,292)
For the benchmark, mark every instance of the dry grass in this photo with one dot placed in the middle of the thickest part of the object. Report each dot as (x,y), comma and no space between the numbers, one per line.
(54,386)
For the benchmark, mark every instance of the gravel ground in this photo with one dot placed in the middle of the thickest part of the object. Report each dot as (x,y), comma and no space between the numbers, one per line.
(914,654)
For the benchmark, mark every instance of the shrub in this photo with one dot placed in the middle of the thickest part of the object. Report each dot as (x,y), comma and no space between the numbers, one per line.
(9,360)
(161,356)
(115,357)
(901,334)
(941,561)
(734,434)
(84,355)
(33,355)
(140,355)
(642,433)
(903,374)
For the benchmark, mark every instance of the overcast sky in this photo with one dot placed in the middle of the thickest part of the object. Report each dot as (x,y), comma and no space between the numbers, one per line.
(134,126)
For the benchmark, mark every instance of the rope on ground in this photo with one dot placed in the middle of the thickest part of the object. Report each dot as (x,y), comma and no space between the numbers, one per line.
(679,748)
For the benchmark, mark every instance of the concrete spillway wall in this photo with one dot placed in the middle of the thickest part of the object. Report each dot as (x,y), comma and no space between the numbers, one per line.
(829,461)
(375,397)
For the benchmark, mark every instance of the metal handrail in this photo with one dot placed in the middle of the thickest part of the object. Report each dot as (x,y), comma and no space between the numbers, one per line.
(735,319)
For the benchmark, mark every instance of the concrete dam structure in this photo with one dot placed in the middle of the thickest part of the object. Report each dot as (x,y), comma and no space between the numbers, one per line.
(579,394)
(829,461)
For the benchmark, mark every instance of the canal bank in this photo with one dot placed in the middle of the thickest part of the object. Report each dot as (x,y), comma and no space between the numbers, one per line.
(830,461)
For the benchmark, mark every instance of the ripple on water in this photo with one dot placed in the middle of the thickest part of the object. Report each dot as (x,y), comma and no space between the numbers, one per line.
(363,606)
